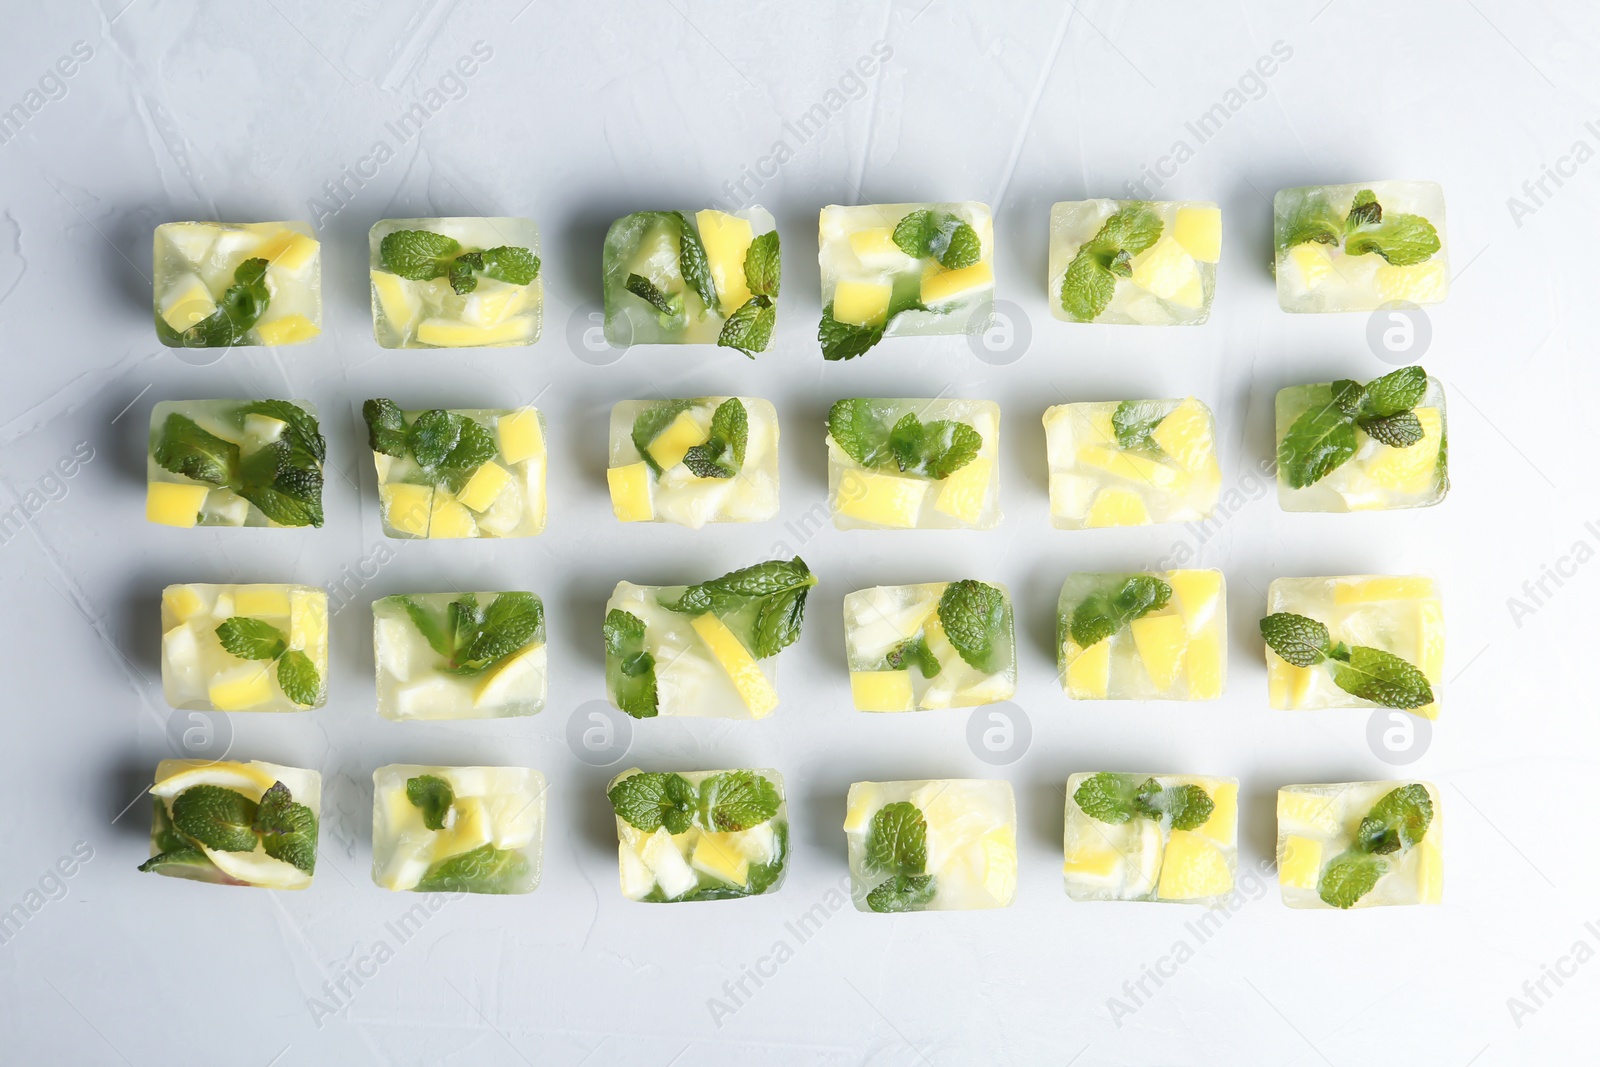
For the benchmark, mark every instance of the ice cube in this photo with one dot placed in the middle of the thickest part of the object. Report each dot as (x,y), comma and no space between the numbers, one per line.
(1360,844)
(1360,247)
(199,454)
(492,304)
(489,836)
(676,461)
(196,263)
(1161,635)
(1167,837)
(901,657)
(899,490)
(1159,258)
(932,845)
(198,670)
(187,840)
(1131,463)
(416,680)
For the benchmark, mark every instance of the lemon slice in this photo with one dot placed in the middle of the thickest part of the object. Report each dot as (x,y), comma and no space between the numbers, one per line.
(242,778)
(259,869)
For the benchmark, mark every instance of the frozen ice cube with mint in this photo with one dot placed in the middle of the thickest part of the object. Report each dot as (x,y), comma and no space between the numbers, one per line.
(455,282)
(937,645)
(457,829)
(914,464)
(1134,262)
(460,655)
(1361,246)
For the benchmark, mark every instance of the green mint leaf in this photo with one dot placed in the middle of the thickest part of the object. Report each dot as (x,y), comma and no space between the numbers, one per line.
(913,234)
(245,301)
(286,508)
(417,254)
(297,677)
(1296,639)
(288,830)
(178,860)
(250,638)
(462,280)
(766,876)
(858,427)
(730,432)
(301,431)
(975,617)
(650,800)
(1395,393)
(1131,229)
(763,266)
(693,264)
(1188,806)
(841,340)
(429,625)
(163,835)
(737,800)
(432,796)
(1314,221)
(902,893)
(1383,678)
(962,249)
(473,448)
(1106,797)
(1349,396)
(749,328)
(465,620)
(1400,239)
(1321,439)
(934,449)
(630,670)
(184,448)
(509,263)
(1364,210)
(1135,420)
(1120,600)
(701,464)
(763,579)
(1087,286)
(386,426)
(1396,431)
(511,623)
(649,423)
(432,436)
(216,817)
(485,869)
(272,810)
(1348,877)
(913,652)
(646,290)
(1397,821)
(778,622)
(897,840)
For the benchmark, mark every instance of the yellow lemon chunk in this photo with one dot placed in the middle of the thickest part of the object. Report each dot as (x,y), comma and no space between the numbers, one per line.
(1223,825)
(962,495)
(1418,283)
(448,333)
(882,690)
(449,519)
(1192,867)
(669,446)
(517,675)
(1088,670)
(1318,812)
(1102,430)
(718,855)
(241,688)
(940,286)
(182,602)
(1117,507)
(1430,641)
(485,486)
(288,330)
(1382,588)
(754,688)
(1169,272)
(493,302)
(1410,469)
(1288,686)
(1161,640)
(630,492)
(397,299)
(171,504)
(1093,858)
(1132,466)
(1197,593)
(191,240)
(1199,231)
(1185,435)
(875,248)
(726,239)
(861,805)
(881,499)
(259,869)
(229,774)
(1205,663)
(187,302)
(1301,862)
(862,303)
(520,436)
(468,828)
(1312,262)
(406,507)
(308,623)
(1430,870)
(1000,864)
(289,251)
(261,600)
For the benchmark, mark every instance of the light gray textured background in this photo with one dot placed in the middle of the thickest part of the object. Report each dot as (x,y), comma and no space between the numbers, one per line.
(242,111)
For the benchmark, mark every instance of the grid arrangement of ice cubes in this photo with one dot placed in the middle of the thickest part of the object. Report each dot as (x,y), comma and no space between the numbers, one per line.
(1401,615)
(713,856)
(901,659)
(188,840)
(882,495)
(1379,477)
(418,681)
(502,497)
(410,313)
(1131,463)
(1326,236)
(650,481)
(868,281)
(197,263)
(937,845)
(1175,651)
(1167,278)
(278,622)
(1162,837)
(1325,827)
(214,441)
(457,829)
(649,244)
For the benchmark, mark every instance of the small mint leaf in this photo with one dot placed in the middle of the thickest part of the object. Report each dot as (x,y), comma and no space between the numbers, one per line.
(1296,639)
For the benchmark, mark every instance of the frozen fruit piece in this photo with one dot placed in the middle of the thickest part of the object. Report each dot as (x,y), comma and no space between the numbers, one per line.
(902,655)
(694,461)
(1088,673)
(1116,507)
(1133,262)
(235,463)
(727,239)
(287,330)
(888,690)
(1301,862)
(1162,641)
(630,492)
(1359,844)
(1155,636)
(932,845)
(862,303)
(443,333)
(457,829)
(455,282)
(1131,463)
(485,486)
(233,823)
(460,655)
(219,284)
(1357,247)
(521,435)
(941,286)
(752,684)
(913,463)
(238,647)
(1150,837)
(1199,231)
(171,504)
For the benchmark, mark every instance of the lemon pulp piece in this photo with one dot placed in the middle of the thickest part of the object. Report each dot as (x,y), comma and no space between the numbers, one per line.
(1088,670)
(882,691)
(962,495)
(1379,589)
(520,435)
(668,447)
(862,303)
(229,774)
(1223,825)
(1185,434)
(881,499)
(1132,466)
(289,251)
(1416,283)
(249,685)
(1161,640)
(754,688)
(726,239)
(1117,507)
(308,623)
(261,600)
(1193,866)
(1169,272)
(1204,661)
(1199,231)
(172,504)
(1197,592)
(485,486)
(468,828)
(1430,871)
(399,301)
(630,492)
(1410,469)
(1313,262)
(182,602)
(860,807)
(1288,686)
(288,330)
(1000,863)
(493,302)
(518,670)
(1318,812)
(718,855)
(1093,859)
(449,333)
(1300,863)
(258,869)
(187,302)
(407,507)
(449,519)
(940,286)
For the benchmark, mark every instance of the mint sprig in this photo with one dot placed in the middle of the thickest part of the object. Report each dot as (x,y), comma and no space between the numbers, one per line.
(187,449)
(630,670)
(485,869)
(722,453)
(938,235)
(647,290)
(1134,421)
(843,340)
(1090,279)
(386,426)
(1116,798)
(432,796)
(764,604)
(1324,436)
(693,263)
(1398,821)
(288,830)
(1401,239)
(447,445)
(737,800)
(897,840)
(935,449)
(902,893)
(977,618)
(217,818)
(421,255)
(283,479)
(749,328)
(254,639)
(1371,674)
(474,639)
(763,265)
(650,800)
(1119,601)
